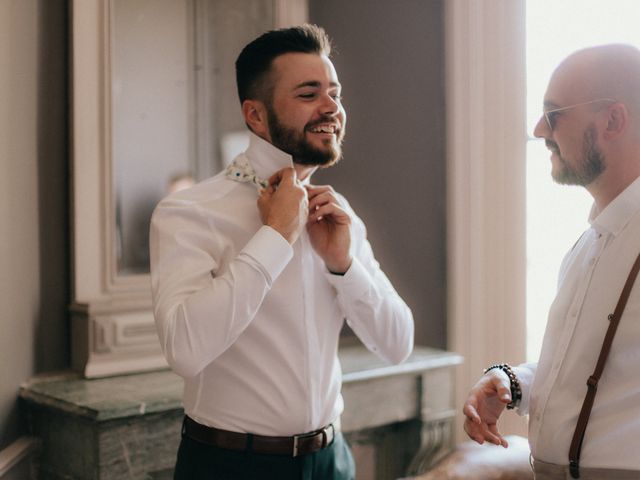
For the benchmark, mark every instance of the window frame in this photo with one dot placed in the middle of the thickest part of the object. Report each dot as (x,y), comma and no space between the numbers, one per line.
(486,189)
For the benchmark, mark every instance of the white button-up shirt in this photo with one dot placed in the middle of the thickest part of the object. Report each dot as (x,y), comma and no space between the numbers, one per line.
(591,279)
(251,322)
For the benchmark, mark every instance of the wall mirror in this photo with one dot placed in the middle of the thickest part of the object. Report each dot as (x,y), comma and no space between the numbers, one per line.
(154,108)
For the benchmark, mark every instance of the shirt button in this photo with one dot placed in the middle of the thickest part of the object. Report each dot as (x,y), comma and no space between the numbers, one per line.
(592,261)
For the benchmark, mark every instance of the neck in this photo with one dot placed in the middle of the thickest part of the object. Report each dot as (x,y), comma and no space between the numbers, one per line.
(613,181)
(303,171)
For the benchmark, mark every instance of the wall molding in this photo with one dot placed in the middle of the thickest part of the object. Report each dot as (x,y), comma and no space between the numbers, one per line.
(100,291)
(16,453)
(486,152)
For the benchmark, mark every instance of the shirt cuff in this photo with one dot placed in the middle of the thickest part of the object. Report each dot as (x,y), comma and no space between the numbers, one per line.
(270,250)
(524,374)
(354,282)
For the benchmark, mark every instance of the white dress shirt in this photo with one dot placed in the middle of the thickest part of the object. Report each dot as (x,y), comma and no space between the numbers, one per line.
(591,279)
(251,322)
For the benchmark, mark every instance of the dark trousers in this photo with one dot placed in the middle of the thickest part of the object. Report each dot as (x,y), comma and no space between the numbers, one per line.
(198,461)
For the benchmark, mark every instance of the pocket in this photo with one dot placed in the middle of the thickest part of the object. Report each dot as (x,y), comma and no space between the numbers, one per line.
(344,465)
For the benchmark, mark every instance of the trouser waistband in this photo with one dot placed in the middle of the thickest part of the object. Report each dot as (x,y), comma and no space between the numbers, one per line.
(551,471)
(292,446)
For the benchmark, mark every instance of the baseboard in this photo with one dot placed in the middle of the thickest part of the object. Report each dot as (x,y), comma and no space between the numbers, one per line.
(13,456)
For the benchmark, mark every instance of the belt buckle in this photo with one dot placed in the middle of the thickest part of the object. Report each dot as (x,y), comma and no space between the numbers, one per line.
(295,446)
(325,435)
(322,431)
(296,439)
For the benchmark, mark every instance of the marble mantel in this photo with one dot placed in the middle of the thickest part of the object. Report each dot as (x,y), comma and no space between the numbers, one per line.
(128,427)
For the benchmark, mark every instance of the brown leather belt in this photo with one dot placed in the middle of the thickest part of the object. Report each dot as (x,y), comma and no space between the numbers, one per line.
(293,446)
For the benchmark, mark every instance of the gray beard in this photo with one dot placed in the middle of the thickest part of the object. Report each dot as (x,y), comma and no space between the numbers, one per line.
(591,166)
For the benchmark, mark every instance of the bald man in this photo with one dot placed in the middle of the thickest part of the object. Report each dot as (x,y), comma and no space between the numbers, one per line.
(591,125)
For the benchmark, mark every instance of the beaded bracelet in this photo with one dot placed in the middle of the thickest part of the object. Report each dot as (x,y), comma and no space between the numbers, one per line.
(514,385)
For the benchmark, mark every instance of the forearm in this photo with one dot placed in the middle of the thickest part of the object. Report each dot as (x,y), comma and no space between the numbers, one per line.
(375,312)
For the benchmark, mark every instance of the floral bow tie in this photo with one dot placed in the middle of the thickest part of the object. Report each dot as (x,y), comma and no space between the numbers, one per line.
(240,171)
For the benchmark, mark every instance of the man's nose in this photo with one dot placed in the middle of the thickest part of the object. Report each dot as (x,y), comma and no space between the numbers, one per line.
(541,128)
(330,105)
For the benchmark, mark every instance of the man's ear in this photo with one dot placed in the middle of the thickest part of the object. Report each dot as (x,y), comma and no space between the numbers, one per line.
(617,121)
(255,116)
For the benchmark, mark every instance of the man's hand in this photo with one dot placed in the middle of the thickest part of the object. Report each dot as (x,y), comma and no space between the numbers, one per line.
(485,403)
(329,227)
(284,204)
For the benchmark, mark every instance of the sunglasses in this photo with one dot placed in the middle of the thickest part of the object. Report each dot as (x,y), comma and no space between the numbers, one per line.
(551,116)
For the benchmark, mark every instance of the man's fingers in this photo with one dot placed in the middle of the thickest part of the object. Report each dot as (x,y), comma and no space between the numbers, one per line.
(471,429)
(315,190)
(471,413)
(319,198)
(482,432)
(266,192)
(286,175)
(275,178)
(499,439)
(492,438)
(337,214)
(501,383)
(504,393)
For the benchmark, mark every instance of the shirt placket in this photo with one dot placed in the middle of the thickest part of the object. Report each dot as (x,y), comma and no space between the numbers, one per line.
(313,354)
(589,262)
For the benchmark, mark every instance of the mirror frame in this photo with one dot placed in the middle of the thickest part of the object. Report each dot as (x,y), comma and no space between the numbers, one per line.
(112,325)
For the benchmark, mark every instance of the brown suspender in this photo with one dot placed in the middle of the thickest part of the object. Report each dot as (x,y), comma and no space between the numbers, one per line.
(592,382)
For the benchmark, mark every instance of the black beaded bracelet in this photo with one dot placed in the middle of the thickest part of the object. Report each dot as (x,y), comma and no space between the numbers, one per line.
(514,385)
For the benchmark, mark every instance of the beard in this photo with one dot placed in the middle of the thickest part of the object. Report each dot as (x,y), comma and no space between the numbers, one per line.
(589,168)
(295,144)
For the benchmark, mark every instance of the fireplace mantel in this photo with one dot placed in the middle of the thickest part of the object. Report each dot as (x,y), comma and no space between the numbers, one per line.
(129,426)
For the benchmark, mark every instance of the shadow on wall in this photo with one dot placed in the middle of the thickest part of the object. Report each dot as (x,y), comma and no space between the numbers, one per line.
(52,334)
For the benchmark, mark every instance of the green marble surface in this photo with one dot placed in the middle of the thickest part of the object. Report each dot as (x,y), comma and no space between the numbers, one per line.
(129,426)
(132,395)
(107,398)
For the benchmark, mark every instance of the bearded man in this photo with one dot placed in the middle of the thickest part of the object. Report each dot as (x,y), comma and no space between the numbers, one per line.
(582,396)
(254,272)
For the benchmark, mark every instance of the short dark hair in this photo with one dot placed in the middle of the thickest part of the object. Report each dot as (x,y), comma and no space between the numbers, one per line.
(254,62)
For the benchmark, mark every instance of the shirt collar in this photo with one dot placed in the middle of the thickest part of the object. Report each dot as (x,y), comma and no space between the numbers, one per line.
(619,212)
(265,158)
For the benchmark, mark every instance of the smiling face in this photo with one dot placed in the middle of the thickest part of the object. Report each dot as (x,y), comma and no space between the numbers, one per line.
(570,130)
(591,124)
(305,115)
(582,168)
